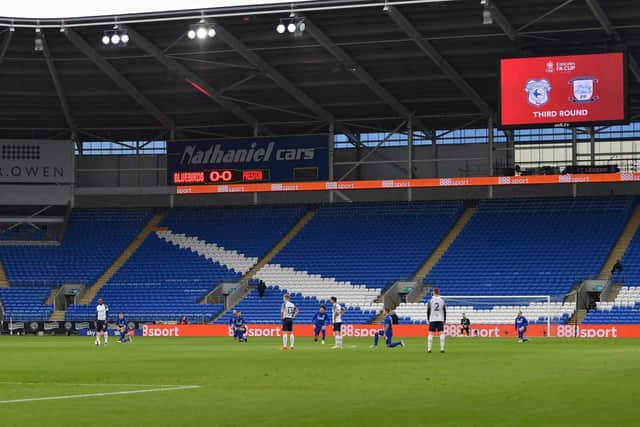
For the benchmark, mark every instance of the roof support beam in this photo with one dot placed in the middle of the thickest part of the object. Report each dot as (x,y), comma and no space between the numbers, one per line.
(196,81)
(118,78)
(361,73)
(430,51)
(608,28)
(59,90)
(602,18)
(502,21)
(544,15)
(5,45)
(284,83)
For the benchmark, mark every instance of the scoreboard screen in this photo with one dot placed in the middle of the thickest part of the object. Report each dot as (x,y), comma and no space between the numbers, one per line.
(563,90)
(221,176)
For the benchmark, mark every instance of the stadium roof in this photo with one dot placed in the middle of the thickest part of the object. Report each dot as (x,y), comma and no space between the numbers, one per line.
(364,67)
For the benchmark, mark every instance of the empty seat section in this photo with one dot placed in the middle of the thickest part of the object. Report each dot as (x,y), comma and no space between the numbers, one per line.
(531,247)
(352,252)
(172,270)
(252,231)
(626,307)
(370,244)
(527,247)
(25,303)
(93,240)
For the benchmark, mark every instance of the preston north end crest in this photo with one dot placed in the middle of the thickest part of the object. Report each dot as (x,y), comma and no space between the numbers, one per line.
(538,92)
(583,89)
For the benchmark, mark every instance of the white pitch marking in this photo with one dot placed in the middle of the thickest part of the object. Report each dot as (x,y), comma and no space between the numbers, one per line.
(114,393)
(91,384)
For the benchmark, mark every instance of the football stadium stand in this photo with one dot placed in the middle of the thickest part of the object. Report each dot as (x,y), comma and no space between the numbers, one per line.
(626,306)
(624,309)
(526,247)
(193,251)
(352,252)
(25,303)
(94,239)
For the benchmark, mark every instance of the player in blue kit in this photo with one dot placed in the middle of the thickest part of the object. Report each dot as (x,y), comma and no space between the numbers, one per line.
(123,328)
(521,327)
(239,327)
(320,321)
(387,332)
(232,320)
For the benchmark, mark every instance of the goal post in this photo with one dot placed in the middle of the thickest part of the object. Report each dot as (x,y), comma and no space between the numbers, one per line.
(502,309)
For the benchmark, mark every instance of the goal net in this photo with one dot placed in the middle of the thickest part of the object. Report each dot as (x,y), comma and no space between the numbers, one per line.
(502,310)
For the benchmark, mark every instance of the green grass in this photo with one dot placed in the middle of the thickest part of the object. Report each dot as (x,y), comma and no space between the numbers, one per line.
(478,382)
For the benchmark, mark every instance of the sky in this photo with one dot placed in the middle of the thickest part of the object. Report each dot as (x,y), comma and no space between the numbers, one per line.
(77,8)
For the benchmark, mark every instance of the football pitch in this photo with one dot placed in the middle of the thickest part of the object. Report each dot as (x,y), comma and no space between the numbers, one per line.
(66,381)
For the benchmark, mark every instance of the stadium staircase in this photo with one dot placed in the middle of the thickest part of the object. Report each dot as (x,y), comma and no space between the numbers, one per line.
(622,244)
(52,296)
(610,294)
(577,317)
(444,245)
(4,281)
(123,258)
(57,316)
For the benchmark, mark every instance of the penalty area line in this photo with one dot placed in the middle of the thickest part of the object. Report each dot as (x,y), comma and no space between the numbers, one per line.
(113,393)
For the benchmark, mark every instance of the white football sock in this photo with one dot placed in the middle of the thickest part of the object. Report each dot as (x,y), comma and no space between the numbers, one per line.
(284,340)
(442,341)
(106,337)
(429,342)
(97,339)
(291,339)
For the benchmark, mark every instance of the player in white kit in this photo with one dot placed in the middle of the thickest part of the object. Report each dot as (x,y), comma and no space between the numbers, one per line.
(436,316)
(337,312)
(102,322)
(288,312)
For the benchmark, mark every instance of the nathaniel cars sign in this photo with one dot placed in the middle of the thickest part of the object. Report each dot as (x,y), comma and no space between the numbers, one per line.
(36,162)
(248,160)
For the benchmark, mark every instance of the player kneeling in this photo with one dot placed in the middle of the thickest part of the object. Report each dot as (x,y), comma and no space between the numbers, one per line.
(239,327)
(320,321)
(387,332)
(123,329)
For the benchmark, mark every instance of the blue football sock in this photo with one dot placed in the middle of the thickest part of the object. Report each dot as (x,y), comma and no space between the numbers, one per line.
(393,344)
(375,340)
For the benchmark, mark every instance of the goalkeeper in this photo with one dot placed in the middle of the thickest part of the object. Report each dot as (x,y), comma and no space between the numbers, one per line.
(465,324)
(521,327)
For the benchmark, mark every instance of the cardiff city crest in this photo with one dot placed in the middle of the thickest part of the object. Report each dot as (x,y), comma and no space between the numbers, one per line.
(538,92)
(583,89)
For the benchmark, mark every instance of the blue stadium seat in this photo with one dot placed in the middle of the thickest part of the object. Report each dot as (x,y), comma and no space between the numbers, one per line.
(531,247)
